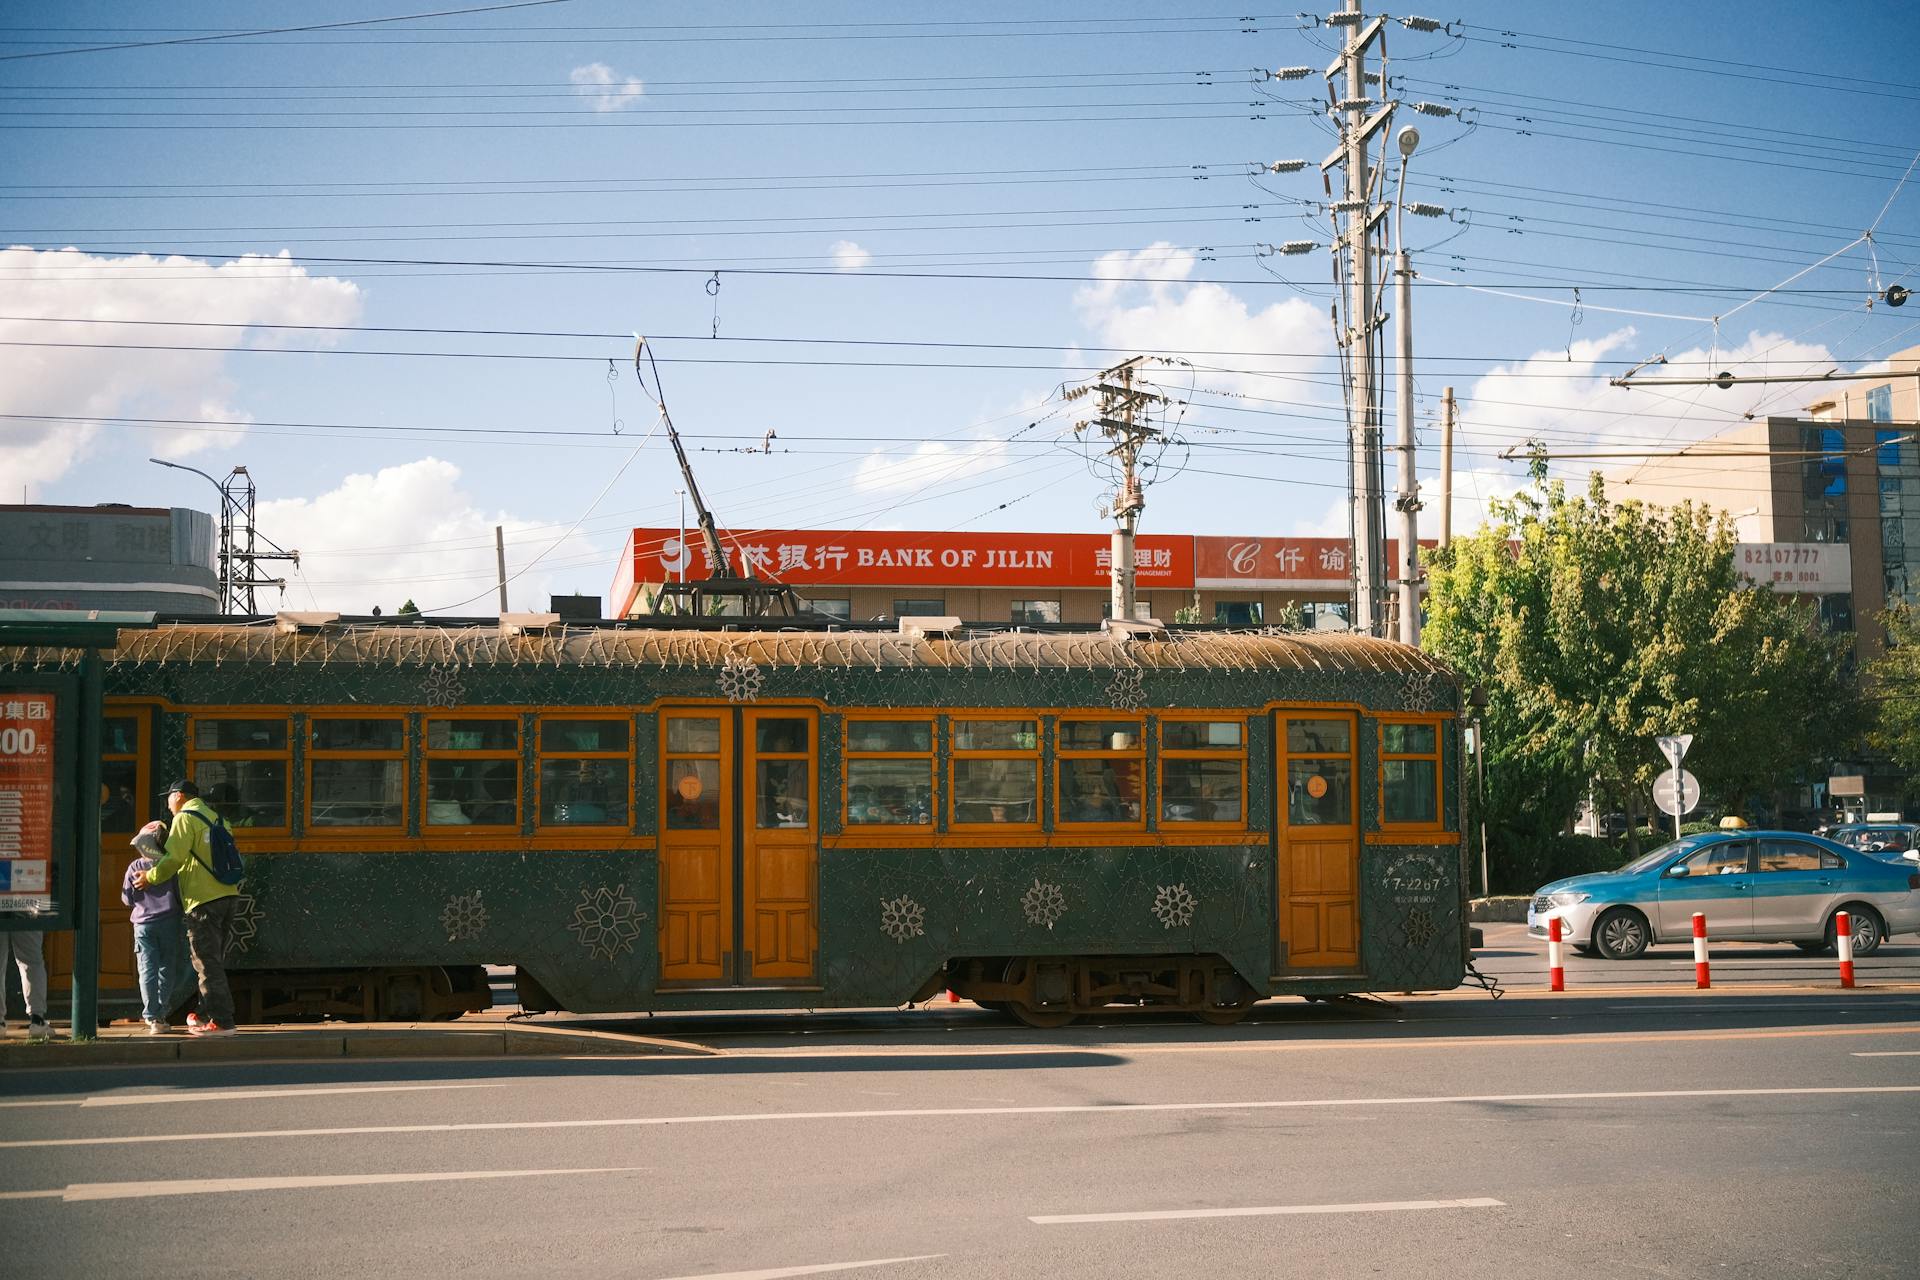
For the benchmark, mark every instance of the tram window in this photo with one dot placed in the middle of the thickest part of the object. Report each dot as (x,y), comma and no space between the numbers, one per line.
(239,735)
(782,735)
(995,735)
(1320,793)
(1202,771)
(356,771)
(473,772)
(1409,773)
(120,775)
(243,766)
(584,771)
(693,795)
(693,735)
(889,772)
(780,791)
(120,735)
(1102,771)
(1333,736)
(996,773)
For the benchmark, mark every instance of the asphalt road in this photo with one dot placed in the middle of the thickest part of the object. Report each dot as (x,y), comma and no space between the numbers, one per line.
(1733,1133)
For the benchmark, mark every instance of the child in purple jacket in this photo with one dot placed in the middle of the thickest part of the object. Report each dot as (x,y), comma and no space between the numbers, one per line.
(159,929)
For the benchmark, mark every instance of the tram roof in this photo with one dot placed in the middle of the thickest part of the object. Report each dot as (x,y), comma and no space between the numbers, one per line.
(1332,653)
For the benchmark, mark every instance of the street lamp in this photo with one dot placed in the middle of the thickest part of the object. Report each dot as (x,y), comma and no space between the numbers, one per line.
(1477,699)
(226,559)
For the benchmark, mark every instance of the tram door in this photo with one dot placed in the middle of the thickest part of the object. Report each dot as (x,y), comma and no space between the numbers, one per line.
(1319,854)
(739,845)
(126,803)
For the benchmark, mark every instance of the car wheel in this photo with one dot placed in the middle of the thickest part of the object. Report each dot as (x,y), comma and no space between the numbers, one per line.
(1867,929)
(1621,934)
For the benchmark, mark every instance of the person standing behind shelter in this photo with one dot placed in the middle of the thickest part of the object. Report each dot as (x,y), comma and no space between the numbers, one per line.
(209,902)
(159,929)
(25,947)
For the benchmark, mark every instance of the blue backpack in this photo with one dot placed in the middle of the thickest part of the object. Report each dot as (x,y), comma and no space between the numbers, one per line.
(228,866)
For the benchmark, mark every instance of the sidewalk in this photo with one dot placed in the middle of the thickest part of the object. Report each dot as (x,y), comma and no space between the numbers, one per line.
(130,1045)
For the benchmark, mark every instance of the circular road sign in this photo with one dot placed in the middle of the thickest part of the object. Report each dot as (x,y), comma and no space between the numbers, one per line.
(1665,786)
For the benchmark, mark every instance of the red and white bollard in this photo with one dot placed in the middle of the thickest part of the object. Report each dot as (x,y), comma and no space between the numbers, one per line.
(1843,939)
(1702,979)
(1556,974)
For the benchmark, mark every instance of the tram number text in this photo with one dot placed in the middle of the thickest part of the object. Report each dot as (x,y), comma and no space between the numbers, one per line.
(1408,884)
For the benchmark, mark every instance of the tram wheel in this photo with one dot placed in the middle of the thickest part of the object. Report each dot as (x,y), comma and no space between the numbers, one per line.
(1223,1015)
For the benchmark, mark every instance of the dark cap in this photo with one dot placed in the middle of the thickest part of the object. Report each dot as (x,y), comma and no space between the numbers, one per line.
(185,787)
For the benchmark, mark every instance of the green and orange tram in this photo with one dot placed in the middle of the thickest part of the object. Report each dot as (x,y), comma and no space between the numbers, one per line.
(674,814)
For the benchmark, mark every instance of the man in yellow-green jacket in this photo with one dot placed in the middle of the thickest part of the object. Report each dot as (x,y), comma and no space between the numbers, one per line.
(209,902)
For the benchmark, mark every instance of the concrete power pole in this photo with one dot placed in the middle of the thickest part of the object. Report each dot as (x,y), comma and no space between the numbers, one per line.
(1122,422)
(1446,467)
(1360,118)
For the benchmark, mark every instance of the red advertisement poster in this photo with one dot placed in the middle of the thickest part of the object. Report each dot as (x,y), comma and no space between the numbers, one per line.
(26,801)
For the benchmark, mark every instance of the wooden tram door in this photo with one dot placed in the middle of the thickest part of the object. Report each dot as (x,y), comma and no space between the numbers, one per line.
(1319,846)
(739,845)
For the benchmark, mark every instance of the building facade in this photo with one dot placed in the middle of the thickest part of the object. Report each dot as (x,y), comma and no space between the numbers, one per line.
(111,556)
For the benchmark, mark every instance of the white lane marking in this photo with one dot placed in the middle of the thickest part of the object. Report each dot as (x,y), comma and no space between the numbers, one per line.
(1889,1053)
(1113,1108)
(818,1268)
(227,1095)
(79,1191)
(1271,1210)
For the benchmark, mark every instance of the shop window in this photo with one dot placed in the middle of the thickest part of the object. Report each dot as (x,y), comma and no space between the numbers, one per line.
(356,771)
(242,765)
(586,770)
(1238,613)
(473,771)
(996,773)
(832,607)
(1202,771)
(920,608)
(1028,613)
(1409,773)
(1142,610)
(889,766)
(1101,772)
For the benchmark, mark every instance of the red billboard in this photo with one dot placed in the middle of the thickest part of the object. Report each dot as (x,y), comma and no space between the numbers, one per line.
(26,802)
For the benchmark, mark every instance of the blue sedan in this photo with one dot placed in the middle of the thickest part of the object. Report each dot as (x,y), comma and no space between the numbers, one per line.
(1753,886)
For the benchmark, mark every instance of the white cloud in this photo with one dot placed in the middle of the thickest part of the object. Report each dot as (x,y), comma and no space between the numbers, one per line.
(598,81)
(932,463)
(99,381)
(1142,303)
(413,531)
(849,256)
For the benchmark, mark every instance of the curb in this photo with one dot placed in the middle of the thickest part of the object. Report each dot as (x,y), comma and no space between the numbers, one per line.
(396,1041)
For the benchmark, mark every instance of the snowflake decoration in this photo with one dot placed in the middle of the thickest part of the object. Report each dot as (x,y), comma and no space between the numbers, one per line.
(740,681)
(244,925)
(463,917)
(1044,904)
(606,921)
(1419,927)
(902,918)
(442,687)
(1174,905)
(1124,692)
(1420,691)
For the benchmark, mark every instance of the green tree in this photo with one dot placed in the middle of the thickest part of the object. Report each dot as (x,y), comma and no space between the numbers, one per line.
(1894,678)
(1596,626)
(409,609)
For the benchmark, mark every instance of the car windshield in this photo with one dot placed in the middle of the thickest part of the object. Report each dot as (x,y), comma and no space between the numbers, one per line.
(1648,860)
(1866,838)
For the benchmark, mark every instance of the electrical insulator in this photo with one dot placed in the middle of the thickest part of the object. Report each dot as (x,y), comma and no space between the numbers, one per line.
(1423,24)
(1433,108)
(1426,211)
(1287,166)
(1291,73)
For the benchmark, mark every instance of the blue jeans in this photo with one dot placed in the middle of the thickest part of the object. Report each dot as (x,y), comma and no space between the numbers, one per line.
(160,948)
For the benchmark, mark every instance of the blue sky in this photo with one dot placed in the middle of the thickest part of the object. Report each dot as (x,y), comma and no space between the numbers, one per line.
(864,178)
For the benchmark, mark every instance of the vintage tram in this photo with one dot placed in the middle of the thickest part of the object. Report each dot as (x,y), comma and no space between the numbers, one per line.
(676,815)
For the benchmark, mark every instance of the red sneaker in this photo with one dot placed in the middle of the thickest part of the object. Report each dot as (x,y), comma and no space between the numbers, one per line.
(210,1028)
(194,1024)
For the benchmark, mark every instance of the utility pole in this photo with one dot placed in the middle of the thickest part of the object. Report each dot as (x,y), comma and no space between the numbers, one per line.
(500,563)
(1446,467)
(1360,118)
(1122,421)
